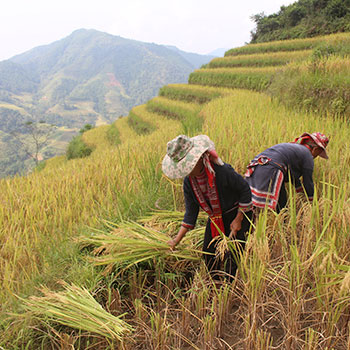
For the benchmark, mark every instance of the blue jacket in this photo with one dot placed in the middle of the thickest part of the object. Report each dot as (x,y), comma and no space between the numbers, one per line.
(298,161)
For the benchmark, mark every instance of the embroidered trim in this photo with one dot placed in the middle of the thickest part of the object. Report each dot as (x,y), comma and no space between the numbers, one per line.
(214,210)
(190,227)
(263,160)
(244,207)
(262,198)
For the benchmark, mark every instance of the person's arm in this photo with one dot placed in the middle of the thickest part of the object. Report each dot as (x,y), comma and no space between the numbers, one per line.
(307,172)
(181,234)
(190,217)
(241,187)
(298,186)
(236,224)
(308,183)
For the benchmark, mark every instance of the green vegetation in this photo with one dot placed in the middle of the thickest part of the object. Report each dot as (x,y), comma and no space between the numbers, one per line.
(41,165)
(340,40)
(11,120)
(276,46)
(309,74)
(77,148)
(187,113)
(172,109)
(303,19)
(140,126)
(240,78)
(320,85)
(270,262)
(113,135)
(16,79)
(86,127)
(259,60)
(187,93)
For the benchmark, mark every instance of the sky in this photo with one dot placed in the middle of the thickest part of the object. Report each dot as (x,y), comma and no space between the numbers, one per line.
(199,26)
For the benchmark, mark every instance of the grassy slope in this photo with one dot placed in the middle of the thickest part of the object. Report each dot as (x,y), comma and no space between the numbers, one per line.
(42,213)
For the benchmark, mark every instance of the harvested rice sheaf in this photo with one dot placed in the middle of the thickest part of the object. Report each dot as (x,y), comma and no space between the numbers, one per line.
(130,243)
(75,307)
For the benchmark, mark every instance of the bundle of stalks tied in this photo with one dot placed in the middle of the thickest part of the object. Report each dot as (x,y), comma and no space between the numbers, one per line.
(75,307)
(130,243)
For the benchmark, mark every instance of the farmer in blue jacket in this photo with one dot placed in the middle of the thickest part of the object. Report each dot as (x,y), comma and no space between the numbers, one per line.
(214,186)
(269,170)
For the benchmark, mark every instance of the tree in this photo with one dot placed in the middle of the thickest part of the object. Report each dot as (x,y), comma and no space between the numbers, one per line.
(33,137)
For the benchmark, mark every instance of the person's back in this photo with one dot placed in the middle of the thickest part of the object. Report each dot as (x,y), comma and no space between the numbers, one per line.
(270,169)
(296,158)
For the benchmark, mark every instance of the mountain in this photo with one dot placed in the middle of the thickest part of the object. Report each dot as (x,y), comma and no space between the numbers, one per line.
(218,52)
(88,77)
(195,59)
(112,72)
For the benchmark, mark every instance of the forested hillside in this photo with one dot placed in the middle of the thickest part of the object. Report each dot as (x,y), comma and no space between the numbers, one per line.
(303,19)
(89,77)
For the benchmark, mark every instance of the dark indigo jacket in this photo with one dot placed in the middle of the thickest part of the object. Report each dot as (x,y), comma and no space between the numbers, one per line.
(298,160)
(233,191)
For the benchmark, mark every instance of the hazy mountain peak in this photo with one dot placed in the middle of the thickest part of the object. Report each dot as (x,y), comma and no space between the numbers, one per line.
(86,77)
(218,52)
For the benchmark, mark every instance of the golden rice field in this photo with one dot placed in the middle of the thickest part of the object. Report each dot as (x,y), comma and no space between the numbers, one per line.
(176,109)
(253,78)
(331,65)
(156,120)
(192,93)
(290,45)
(260,59)
(293,285)
(240,70)
(44,208)
(126,132)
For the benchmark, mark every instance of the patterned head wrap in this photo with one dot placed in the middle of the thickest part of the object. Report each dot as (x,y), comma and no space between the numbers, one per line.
(315,139)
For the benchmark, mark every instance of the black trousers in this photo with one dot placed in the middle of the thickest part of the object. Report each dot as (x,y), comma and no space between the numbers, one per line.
(282,199)
(229,265)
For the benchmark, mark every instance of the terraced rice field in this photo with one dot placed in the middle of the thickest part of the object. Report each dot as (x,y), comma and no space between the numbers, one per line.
(292,289)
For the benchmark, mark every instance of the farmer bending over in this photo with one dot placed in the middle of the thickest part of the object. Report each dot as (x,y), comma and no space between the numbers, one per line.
(214,186)
(268,171)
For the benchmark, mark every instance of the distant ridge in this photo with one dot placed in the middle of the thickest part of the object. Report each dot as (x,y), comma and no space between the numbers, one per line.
(87,77)
(218,52)
(194,58)
(67,70)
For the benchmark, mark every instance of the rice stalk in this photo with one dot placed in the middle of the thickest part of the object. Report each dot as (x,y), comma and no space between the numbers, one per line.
(170,219)
(311,339)
(209,331)
(131,243)
(75,307)
(160,330)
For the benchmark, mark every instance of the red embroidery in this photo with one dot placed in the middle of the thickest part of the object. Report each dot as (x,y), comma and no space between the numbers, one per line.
(214,209)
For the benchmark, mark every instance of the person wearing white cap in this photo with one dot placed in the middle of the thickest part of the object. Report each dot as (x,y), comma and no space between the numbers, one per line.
(214,186)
